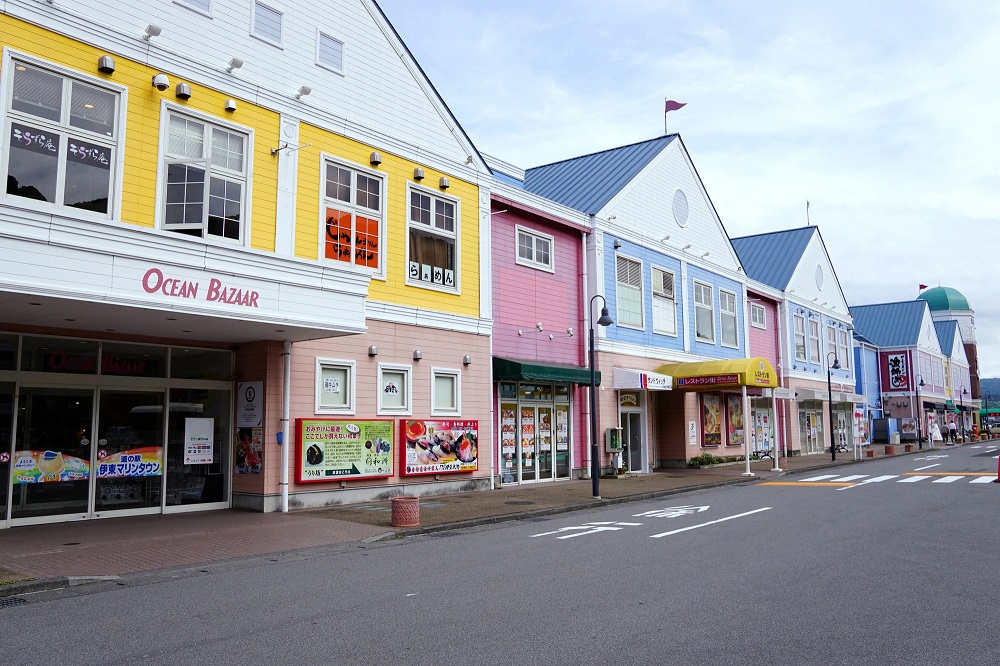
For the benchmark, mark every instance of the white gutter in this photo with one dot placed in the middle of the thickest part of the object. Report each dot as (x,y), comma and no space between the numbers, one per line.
(286,398)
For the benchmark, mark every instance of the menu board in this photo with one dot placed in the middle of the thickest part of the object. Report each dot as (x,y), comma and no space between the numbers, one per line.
(335,449)
(508,435)
(528,434)
(562,429)
(439,447)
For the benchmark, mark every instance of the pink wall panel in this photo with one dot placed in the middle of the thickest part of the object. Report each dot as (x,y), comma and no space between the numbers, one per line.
(764,341)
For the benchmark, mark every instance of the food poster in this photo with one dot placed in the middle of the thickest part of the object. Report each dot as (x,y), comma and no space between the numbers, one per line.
(439,447)
(335,449)
(711,420)
(199,441)
(48,466)
(249,450)
(734,420)
(527,435)
(544,429)
(860,426)
(508,435)
(562,428)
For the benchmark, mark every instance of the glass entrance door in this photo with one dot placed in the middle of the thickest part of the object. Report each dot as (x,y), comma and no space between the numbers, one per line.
(632,444)
(543,440)
(52,452)
(6,443)
(129,461)
(527,444)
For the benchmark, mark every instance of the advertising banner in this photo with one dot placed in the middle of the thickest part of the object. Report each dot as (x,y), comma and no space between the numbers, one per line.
(142,461)
(711,420)
(249,450)
(48,466)
(199,441)
(734,410)
(335,449)
(441,447)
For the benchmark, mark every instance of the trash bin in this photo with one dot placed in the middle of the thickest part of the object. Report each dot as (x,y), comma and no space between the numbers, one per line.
(894,438)
(405,511)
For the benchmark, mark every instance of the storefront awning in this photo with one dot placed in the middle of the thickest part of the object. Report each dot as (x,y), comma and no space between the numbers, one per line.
(710,375)
(505,370)
(638,379)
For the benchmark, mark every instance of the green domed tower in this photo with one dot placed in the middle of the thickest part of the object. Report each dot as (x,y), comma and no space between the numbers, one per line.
(947,304)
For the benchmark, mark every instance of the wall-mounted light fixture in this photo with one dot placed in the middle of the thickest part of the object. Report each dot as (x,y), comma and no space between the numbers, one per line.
(161,82)
(234,63)
(303,91)
(373,351)
(418,174)
(230,105)
(152,31)
(444,183)
(618,244)
(375,159)
(417,354)
(705,254)
(665,238)
(106,64)
(183,91)
(467,360)
(686,247)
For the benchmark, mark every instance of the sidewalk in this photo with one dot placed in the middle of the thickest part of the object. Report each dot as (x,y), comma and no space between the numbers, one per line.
(123,546)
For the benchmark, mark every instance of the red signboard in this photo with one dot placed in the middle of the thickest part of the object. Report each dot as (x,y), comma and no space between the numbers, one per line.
(438,447)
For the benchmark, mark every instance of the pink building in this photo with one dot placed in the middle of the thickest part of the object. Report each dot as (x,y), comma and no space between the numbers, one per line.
(767,412)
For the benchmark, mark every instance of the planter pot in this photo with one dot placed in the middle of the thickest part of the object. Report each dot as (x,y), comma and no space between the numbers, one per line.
(908,448)
(405,511)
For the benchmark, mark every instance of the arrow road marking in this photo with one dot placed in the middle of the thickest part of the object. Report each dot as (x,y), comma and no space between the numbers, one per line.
(671,512)
(711,522)
(591,528)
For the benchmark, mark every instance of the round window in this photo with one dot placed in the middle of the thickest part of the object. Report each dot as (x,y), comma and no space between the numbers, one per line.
(680,208)
(819,277)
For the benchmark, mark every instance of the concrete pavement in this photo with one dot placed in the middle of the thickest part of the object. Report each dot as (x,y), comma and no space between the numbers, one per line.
(48,554)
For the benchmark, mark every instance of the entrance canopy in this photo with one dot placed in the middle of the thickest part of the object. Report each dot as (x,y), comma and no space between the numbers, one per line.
(506,370)
(712,375)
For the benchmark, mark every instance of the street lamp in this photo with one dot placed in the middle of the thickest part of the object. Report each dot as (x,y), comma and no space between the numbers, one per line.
(595,464)
(920,413)
(829,395)
(989,435)
(961,403)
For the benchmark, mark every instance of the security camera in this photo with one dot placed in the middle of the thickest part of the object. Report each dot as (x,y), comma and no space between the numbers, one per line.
(161,82)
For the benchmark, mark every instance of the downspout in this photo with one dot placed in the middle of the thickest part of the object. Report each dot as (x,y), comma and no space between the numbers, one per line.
(782,313)
(286,400)
(585,474)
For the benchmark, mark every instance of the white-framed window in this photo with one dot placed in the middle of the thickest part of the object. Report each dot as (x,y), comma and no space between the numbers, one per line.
(206,182)
(395,388)
(534,249)
(200,6)
(432,240)
(728,318)
(704,312)
(446,392)
(62,138)
(758,316)
(330,52)
(800,337)
(844,349)
(353,224)
(814,341)
(267,23)
(335,386)
(664,302)
(831,341)
(628,277)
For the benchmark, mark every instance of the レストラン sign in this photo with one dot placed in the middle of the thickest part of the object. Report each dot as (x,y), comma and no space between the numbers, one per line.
(155,282)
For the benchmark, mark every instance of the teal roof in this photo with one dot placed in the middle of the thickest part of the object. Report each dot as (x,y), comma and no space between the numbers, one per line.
(589,182)
(944,298)
(890,324)
(946,331)
(771,258)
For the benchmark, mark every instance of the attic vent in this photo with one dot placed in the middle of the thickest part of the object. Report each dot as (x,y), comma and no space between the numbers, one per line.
(680,208)
(819,277)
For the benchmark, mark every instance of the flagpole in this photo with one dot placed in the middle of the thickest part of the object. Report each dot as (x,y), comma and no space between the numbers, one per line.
(664,116)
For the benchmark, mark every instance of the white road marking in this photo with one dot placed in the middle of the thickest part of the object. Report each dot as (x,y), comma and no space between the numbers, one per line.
(874,479)
(591,528)
(820,478)
(855,477)
(983,479)
(711,522)
(947,479)
(913,479)
(975,447)
(920,469)
(671,512)
(932,457)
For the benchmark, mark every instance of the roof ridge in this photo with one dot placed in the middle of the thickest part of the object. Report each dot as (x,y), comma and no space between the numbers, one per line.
(773,233)
(600,152)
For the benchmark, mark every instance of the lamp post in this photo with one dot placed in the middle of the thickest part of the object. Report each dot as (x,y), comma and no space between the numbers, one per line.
(595,464)
(961,403)
(920,413)
(986,422)
(829,396)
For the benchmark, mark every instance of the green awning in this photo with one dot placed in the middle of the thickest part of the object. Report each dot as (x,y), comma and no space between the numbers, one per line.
(506,370)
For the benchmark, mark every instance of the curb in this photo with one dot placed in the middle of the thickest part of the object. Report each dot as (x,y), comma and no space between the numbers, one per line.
(56,583)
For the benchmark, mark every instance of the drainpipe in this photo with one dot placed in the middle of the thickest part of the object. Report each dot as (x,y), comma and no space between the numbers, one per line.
(286,400)
(782,311)
(586,403)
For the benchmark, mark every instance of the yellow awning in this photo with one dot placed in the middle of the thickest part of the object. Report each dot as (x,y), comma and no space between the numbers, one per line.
(710,375)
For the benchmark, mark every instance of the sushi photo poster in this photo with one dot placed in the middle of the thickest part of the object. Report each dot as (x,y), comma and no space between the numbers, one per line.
(336,449)
(438,447)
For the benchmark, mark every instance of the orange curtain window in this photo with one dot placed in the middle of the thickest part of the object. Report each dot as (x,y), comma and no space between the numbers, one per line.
(366,242)
(338,235)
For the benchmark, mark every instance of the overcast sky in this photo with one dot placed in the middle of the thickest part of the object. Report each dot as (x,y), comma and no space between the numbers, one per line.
(884,114)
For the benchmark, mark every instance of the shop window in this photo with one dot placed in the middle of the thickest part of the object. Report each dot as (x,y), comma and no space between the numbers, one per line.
(800,337)
(814,355)
(534,249)
(831,342)
(8,354)
(704,313)
(330,53)
(845,349)
(119,359)
(203,6)
(186,363)
(433,241)
(58,355)
(628,292)
(267,23)
(61,138)
(758,316)
(394,389)
(206,183)
(334,386)
(664,304)
(727,312)
(354,217)
(446,392)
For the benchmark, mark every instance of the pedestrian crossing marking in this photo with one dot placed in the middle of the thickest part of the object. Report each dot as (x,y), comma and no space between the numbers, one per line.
(914,479)
(814,484)
(947,479)
(953,473)
(820,478)
(983,479)
(854,480)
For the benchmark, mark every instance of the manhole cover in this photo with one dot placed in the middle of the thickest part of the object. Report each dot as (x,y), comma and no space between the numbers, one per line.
(519,503)
(12,601)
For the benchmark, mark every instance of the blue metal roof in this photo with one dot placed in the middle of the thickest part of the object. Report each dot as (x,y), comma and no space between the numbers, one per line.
(771,258)
(589,182)
(508,179)
(946,331)
(890,324)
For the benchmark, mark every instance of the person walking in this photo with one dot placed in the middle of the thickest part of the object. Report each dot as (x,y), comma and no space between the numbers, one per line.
(952,432)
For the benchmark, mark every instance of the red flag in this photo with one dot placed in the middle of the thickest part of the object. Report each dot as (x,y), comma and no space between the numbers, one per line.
(671,105)
(922,287)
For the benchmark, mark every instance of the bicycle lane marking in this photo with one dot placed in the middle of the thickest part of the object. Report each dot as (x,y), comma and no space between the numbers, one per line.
(711,522)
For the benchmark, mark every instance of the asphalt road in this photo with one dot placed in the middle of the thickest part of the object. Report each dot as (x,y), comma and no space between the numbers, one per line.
(880,569)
